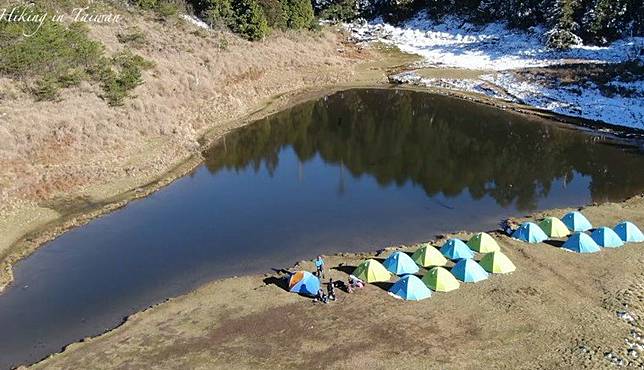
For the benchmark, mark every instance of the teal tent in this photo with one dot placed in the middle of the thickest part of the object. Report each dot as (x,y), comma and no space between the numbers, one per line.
(455,249)
(581,243)
(575,221)
(410,288)
(469,271)
(400,263)
(530,232)
(628,232)
(606,238)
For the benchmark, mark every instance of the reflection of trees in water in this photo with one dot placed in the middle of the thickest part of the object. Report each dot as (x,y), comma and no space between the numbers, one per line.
(442,144)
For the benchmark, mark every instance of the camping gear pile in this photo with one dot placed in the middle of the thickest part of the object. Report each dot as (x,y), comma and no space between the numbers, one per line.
(575,227)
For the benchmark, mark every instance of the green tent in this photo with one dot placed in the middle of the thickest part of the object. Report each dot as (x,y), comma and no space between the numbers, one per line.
(371,271)
(440,280)
(427,256)
(483,243)
(497,262)
(554,227)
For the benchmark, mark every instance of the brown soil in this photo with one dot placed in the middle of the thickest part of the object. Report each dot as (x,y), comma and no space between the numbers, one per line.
(557,310)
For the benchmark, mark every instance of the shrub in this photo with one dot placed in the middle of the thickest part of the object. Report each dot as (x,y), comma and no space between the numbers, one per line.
(249,19)
(276,13)
(343,11)
(134,38)
(59,56)
(121,76)
(300,14)
(219,13)
(46,88)
(146,4)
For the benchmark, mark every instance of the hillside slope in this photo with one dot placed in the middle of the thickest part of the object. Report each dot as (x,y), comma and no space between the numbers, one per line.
(59,156)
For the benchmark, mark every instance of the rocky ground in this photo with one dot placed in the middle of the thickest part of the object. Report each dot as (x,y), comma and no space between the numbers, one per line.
(557,310)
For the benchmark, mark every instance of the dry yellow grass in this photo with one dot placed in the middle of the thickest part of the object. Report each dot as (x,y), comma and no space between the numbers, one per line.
(80,151)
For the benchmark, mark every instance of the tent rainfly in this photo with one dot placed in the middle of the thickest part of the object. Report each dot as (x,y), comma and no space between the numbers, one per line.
(400,263)
(455,249)
(371,271)
(497,263)
(410,288)
(530,232)
(468,271)
(304,282)
(427,256)
(440,280)
(606,237)
(575,221)
(554,228)
(581,243)
(628,232)
(483,243)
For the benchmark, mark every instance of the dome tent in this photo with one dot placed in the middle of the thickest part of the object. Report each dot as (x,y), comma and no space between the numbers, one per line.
(371,271)
(427,256)
(581,243)
(575,221)
(410,288)
(468,271)
(440,280)
(554,228)
(400,263)
(530,232)
(606,237)
(483,243)
(497,262)
(304,282)
(628,232)
(455,249)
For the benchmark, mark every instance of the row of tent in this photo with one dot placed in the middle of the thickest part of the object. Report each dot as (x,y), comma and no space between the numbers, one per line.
(437,278)
(577,224)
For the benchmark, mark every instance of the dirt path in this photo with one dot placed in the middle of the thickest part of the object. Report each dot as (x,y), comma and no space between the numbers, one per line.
(559,309)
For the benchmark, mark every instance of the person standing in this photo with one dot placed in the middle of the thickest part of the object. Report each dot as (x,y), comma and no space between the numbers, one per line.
(319,266)
(330,290)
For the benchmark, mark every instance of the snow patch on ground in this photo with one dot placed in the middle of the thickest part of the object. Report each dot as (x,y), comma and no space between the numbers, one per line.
(196,21)
(585,101)
(494,47)
(469,85)
(453,42)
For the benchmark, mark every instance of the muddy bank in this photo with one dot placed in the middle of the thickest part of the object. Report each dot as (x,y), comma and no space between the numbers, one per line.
(559,309)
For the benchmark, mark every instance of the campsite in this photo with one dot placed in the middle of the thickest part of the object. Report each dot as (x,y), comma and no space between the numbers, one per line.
(269,184)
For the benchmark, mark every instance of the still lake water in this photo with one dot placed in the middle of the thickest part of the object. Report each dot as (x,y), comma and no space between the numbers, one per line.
(358,170)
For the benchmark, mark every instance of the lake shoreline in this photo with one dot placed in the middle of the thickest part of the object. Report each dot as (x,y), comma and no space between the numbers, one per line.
(201,306)
(33,238)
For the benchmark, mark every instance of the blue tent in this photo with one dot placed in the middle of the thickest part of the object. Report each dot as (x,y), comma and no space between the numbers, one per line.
(606,237)
(581,243)
(469,271)
(400,263)
(455,249)
(575,221)
(410,288)
(530,232)
(628,232)
(304,282)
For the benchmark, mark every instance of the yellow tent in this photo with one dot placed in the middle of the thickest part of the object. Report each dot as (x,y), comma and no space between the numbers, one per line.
(497,262)
(440,280)
(427,256)
(371,271)
(554,227)
(483,243)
